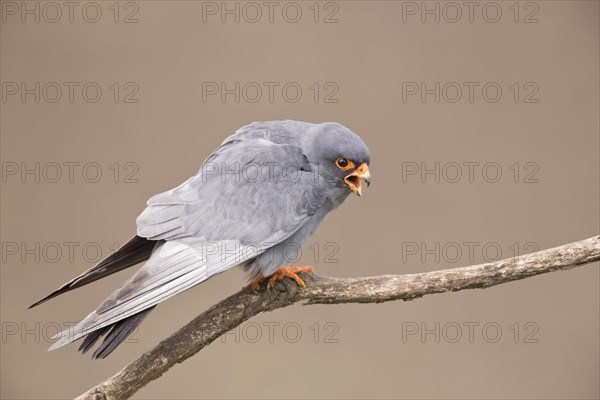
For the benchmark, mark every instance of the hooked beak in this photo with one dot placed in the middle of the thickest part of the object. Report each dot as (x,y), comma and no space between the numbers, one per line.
(354,180)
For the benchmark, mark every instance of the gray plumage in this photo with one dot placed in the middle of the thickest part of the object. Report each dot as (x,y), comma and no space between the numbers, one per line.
(267,187)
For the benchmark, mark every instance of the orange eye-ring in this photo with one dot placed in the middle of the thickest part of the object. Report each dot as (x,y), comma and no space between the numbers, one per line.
(344,164)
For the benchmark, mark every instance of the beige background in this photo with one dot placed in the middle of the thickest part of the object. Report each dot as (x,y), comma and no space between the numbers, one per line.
(368,53)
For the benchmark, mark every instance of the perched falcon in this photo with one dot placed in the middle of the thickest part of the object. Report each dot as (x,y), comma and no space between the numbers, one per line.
(267,187)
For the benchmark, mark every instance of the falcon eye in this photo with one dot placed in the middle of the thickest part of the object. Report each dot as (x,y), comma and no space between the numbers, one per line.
(344,164)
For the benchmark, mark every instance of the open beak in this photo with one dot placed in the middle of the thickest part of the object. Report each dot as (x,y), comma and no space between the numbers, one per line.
(354,180)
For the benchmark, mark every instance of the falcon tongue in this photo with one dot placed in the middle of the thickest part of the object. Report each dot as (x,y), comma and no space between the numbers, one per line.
(354,180)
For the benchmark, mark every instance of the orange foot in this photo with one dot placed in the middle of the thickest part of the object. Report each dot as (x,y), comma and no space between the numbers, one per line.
(256,283)
(290,272)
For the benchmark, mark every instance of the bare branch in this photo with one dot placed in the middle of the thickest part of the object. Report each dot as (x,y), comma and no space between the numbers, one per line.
(243,305)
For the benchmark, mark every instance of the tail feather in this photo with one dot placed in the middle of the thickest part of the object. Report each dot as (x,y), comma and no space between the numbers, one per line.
(136,250)
(173,267)
(118,332)
(92,338)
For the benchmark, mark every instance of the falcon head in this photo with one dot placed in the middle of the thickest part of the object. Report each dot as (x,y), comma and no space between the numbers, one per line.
(341,155)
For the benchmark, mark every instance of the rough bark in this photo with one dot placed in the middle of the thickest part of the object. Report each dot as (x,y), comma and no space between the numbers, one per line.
(243,305)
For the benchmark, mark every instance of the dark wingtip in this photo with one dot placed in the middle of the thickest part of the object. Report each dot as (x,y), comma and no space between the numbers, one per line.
(136,250)
(45,299)
(65,288)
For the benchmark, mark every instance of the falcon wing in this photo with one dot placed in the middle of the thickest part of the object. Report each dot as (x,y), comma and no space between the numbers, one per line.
(252,190)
